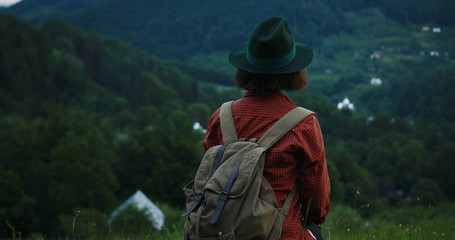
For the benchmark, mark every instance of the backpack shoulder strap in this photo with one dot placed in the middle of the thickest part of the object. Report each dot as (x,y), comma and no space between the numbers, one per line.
(275,133)
(227,123)
(283,125)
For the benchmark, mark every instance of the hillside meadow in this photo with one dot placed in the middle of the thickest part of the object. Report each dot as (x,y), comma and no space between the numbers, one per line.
(344,223)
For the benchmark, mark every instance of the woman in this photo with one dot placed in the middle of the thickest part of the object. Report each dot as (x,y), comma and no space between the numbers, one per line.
(269,63)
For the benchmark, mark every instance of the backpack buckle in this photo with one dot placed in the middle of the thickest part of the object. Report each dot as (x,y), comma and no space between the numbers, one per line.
(200,200)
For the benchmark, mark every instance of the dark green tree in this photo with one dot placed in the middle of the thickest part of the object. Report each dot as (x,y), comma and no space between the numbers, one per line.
(353,177)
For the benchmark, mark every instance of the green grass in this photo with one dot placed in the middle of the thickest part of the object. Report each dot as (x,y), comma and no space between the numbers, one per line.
(403,223)
(343,223)
(419,222)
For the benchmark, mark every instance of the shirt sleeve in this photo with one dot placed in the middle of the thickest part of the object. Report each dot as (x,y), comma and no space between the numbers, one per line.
(313,177)
(213,136)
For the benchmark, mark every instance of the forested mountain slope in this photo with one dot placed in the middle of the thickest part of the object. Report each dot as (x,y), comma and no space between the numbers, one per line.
(85,121)
(179,29)
(60,64)
(354,42)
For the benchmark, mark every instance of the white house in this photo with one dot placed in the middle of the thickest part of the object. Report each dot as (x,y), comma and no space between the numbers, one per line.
(376,54)
(346,104)
(141,202)
(370,119)
(198,127)
(434,53)
(376,81)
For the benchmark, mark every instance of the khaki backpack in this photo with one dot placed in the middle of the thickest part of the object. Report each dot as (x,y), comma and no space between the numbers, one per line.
(229,197)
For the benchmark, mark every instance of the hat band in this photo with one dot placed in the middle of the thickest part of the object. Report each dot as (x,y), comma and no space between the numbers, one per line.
(274,63)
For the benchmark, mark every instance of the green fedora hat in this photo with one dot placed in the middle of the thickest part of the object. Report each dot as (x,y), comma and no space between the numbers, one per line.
(271,49)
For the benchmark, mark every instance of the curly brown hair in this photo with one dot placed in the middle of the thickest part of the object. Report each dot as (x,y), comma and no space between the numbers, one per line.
(271,83)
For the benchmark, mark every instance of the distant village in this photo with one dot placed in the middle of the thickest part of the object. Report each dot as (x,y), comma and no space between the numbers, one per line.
(378,54)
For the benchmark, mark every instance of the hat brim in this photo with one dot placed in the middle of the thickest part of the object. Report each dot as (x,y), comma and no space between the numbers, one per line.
(303,57)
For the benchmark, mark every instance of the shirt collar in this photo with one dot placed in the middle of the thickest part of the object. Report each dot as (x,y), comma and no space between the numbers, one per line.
(278,96)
